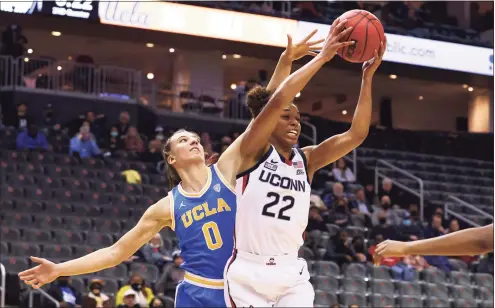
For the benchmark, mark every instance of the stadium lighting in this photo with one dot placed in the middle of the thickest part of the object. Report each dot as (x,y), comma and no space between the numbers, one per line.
(420,97)
(392,76)
(56,33)
(470,89)
(171,50)
(465,86)
(344,112)
(236,56)
(150,76)
(26,59)
(59,68)
(298,95)
(233,86)
(224,57)
(150,45)
(30,50)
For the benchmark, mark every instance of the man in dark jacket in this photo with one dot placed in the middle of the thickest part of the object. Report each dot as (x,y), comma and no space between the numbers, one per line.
(63,292)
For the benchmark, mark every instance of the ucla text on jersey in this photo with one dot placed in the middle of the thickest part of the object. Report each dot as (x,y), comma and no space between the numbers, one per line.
(204,225)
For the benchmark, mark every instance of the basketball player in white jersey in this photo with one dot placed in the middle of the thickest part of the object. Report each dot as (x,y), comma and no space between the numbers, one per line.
(273,185)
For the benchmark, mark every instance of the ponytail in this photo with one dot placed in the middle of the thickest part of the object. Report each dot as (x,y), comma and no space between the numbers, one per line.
(173,177)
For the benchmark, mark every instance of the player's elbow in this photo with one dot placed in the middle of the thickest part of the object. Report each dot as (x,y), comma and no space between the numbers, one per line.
(358,135)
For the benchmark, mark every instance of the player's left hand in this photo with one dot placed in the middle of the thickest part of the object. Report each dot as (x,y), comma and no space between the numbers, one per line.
(370,66)
(389,248)
(305,47)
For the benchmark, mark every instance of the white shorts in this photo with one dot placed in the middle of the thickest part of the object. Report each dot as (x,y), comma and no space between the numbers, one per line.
(264,281)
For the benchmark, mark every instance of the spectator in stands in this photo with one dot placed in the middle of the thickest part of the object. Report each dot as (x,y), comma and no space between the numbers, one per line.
(95,292)
(361,255)
(159,134)
(20,120)
(143,294)
(114,143)
(486,264)
(129,300)
(337,193)
(96,122)
(155,253)
(50,124)
(83,145)
(370,193)
(436,229)
(123,125)
(392,215)
(63,292)
(342,173)
(132,141)
(338,249)
(157,303)
(32,139)
(383,228)
(453,226)
(417,262)
(315,221)
(389,190)
(207,144)
(224,143)
(339,214)
(171,276)
(154,153)
(88,302)
(360,206)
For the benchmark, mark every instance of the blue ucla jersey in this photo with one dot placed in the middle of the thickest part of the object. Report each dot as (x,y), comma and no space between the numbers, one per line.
(204,225)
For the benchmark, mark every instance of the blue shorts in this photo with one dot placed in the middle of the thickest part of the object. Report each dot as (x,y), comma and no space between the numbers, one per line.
(189,295)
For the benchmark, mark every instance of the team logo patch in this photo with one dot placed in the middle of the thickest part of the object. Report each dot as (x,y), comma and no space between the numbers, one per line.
(270,166)
(271,262)
(299,172)
(298,164)
(216,188)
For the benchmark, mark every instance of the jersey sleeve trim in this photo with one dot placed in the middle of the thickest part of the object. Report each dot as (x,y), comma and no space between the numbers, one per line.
(172,209)
(223,180)
(305,161)
(262,159)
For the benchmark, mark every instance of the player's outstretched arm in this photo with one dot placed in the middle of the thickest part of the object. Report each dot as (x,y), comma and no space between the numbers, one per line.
(154,219)
(337,146)
(292,53)
(473,241)
(255,138)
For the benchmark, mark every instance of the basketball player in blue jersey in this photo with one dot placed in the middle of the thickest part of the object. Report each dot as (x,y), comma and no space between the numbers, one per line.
(201,208)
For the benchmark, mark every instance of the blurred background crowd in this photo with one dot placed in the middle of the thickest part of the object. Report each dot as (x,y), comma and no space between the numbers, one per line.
(80,152)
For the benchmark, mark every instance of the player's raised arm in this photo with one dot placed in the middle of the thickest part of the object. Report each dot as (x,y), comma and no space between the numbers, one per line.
(255,138)
(473,241)
(292,53)
(154,219)
(339,145)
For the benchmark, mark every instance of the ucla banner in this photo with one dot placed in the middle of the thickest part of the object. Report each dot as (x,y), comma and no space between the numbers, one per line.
(250,28)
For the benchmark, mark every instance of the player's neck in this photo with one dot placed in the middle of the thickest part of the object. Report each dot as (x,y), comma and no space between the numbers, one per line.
(284,150)
(194,178)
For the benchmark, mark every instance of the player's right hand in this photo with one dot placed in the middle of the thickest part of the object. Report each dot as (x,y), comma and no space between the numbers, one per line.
(42,274)
(334,42)
(389,248)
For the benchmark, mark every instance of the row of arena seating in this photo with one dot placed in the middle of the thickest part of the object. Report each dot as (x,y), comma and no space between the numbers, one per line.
(467,179)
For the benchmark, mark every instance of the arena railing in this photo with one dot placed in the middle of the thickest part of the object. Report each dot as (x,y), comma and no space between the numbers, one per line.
(120,83)
(3,287)
(450,211)
(382,165)
(42,293)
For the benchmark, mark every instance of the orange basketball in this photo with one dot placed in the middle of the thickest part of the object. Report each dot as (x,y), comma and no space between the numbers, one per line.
(367,33)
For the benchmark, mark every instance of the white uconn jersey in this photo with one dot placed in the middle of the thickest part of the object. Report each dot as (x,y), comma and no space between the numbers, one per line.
(273,200)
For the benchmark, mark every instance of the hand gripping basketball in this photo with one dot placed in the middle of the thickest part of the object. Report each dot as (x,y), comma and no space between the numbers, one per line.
(333,42)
